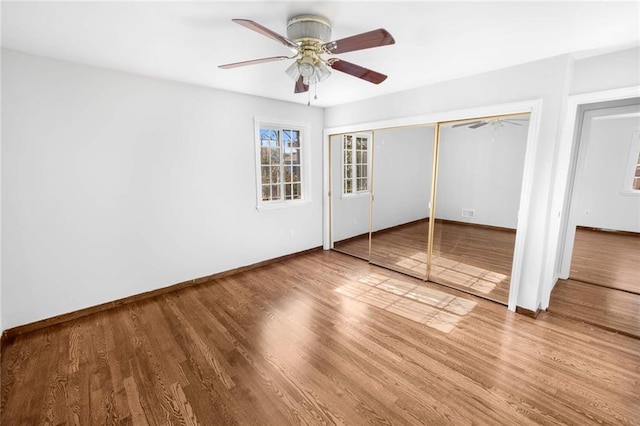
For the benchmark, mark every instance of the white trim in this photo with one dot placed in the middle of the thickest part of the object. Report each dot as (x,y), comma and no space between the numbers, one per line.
(560,201)
(305,171)
(530,106)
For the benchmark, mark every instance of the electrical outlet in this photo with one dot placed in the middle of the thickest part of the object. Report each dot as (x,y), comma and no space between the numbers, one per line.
(469,213)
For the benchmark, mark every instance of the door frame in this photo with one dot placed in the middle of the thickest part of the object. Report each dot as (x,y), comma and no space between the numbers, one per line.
(565,175)
(534,107)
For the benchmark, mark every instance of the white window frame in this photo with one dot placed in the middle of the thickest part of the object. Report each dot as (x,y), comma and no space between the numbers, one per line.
(355,193)
(632,163)
(262,123)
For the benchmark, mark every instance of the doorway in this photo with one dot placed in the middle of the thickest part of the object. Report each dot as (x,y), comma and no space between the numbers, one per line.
(598,262)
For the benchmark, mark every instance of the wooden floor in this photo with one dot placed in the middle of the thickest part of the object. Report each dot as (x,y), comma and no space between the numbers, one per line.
(608,259)
(287,344)
(604,285)
(605,307)
(470,258)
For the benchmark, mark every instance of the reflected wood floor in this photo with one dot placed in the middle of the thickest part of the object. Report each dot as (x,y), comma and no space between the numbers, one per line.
(604,284)
(280,345)
(605,307)
(470,258)
(608,259)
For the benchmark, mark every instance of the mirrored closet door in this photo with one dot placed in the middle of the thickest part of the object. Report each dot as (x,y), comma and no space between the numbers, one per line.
(402,176)
(437,202)
(479,180)
(351,156)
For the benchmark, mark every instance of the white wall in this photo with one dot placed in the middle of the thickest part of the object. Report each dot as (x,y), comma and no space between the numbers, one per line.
(605,72)
(547,80)
(605,146)
(115,184)
(402,175)
(481,169)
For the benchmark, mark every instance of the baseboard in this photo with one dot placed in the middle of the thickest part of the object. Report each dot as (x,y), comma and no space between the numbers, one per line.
(71,316)
(608,231)
(527,312)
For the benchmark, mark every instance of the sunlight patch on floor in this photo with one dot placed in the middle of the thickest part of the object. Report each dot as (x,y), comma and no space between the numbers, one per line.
(424,305)
(452,272)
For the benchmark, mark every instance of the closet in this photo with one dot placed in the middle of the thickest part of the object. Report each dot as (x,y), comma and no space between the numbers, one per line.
(437,201)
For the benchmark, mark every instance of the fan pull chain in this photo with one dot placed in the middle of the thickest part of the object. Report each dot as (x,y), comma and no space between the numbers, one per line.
(315,89)
(308,97)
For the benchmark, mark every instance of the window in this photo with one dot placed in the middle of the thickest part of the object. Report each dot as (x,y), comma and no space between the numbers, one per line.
(355,164)
(635,184)
(632,176)
(280,164)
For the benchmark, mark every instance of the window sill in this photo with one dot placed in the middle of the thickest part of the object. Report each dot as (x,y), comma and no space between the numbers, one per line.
(356,195)
(281,205)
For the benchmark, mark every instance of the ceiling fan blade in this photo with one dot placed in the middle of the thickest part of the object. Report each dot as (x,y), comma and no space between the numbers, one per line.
(465,124)
(512,122)
(479,124)
(358,71)
(300,86)
(375,38)
(266,32)
(253,62)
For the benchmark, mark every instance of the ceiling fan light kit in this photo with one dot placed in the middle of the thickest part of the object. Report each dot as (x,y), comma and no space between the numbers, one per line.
(309,37)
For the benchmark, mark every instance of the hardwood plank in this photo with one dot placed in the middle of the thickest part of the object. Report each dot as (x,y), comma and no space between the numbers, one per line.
(280,344)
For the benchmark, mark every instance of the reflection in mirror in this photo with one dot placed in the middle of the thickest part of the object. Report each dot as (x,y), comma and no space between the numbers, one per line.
(351,156)
(479,180)
(402,174)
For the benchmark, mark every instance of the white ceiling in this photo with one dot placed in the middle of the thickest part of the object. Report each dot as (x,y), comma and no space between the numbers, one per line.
(435,41)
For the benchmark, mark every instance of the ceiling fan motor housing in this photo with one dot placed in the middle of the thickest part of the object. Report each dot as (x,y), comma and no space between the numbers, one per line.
(309,28)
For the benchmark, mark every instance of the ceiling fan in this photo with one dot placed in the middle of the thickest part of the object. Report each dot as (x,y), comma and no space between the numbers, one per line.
(494,122)
(308,36)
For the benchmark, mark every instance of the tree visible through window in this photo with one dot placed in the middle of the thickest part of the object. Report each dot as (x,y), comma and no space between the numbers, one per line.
(280,164)
(355,160)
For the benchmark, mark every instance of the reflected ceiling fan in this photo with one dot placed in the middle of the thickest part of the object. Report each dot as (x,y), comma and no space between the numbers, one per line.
(308,36)
(494,122)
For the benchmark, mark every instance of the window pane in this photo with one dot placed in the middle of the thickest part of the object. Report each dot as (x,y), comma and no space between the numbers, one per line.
(347,186)
(347,172)
(636,183)
(292,156)
(362,185)
(275,174)
(266,175)
(266,193)
(264,155)
(287,192)
(295,174)
(275,192)
(287,174)
(291,138)
(274,155)
(347,143)
(297,191)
